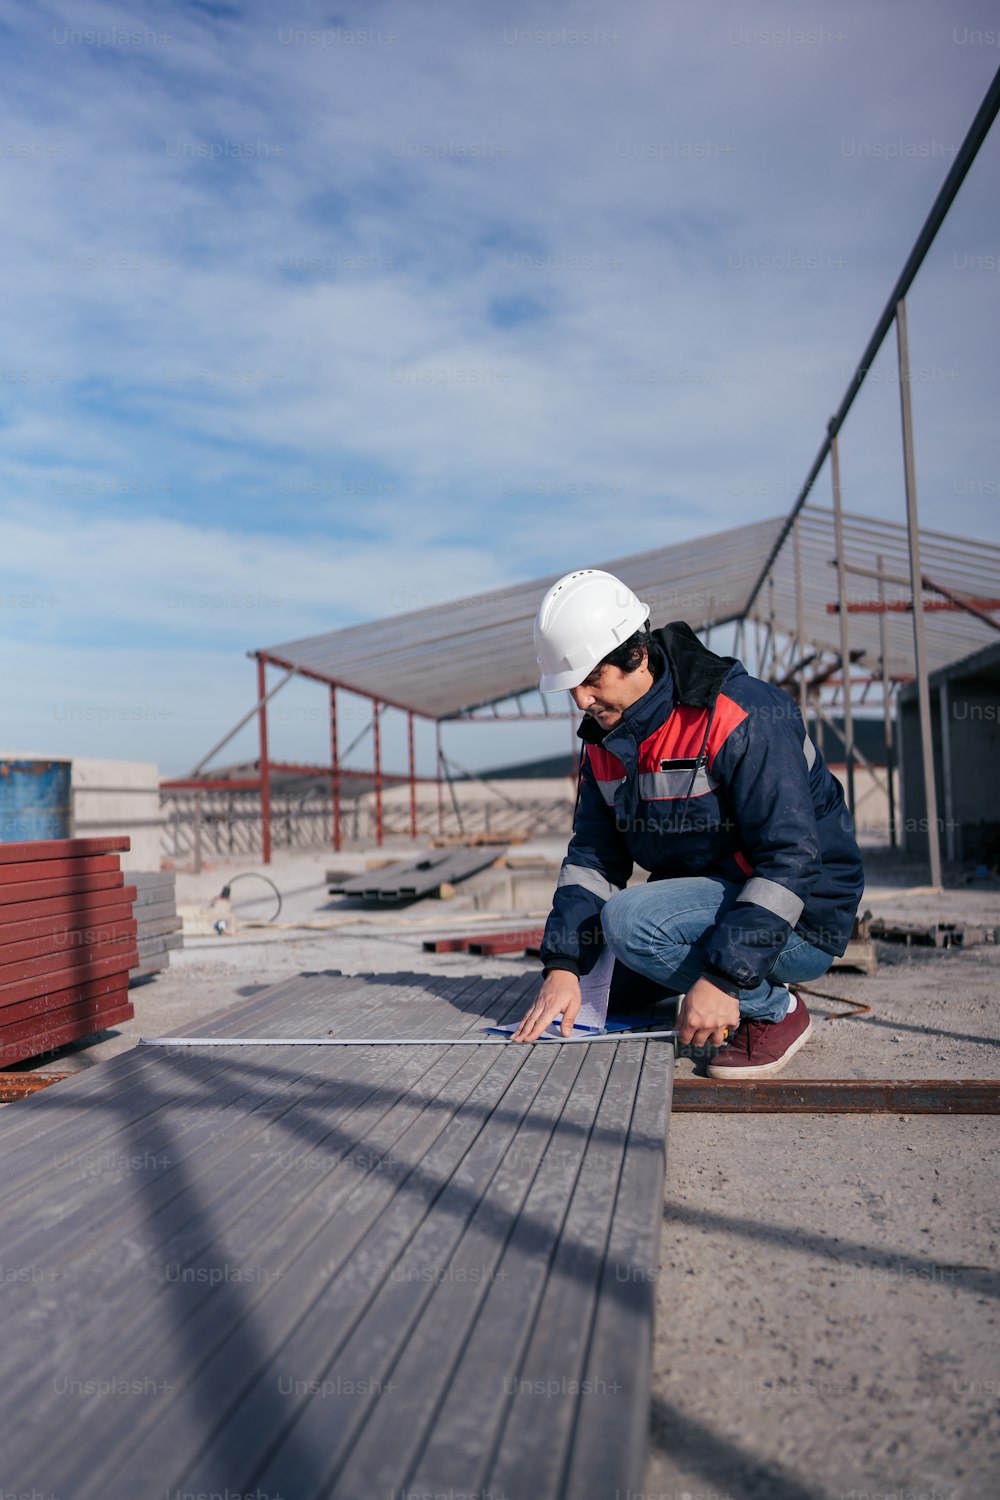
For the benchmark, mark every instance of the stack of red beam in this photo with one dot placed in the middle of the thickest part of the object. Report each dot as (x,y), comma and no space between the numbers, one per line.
(67,942)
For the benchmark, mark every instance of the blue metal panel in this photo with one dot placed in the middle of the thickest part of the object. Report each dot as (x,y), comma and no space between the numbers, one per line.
(35,800)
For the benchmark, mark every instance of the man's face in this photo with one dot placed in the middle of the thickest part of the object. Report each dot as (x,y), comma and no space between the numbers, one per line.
(607,692)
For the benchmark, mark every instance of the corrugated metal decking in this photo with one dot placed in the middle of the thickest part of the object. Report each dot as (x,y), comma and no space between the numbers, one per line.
(455,656)
(477,651)
(337,1272)
(421,877)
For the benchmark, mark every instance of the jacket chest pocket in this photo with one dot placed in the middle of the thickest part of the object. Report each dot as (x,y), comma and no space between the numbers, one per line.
(677,781)
(670,818)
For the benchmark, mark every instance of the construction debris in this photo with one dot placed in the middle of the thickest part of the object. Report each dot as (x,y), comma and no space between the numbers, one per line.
(20,1085)
(860,952)
(933,934)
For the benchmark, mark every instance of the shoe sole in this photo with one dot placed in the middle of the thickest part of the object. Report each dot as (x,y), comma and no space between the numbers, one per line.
(762,1070)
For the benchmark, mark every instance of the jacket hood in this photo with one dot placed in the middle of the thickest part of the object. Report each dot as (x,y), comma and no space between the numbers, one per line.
(697,672)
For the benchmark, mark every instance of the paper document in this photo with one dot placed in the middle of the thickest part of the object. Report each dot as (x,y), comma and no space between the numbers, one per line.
(595,989)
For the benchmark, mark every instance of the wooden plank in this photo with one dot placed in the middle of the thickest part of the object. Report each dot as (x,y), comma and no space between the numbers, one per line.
(31,851)
(58,924)
(36,1006)
(32,983)
(69,1030)
(44,870)
(76,941)
(89,905)
(35,891)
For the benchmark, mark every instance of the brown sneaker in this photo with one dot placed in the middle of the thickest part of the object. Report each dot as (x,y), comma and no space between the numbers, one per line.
(762,1048)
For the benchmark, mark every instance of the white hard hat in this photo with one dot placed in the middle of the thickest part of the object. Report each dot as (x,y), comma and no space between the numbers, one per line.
(581,619)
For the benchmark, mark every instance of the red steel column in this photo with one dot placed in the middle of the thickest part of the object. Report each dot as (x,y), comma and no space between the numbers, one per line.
(335,765)
(413,777)
(265,769)
(378,771)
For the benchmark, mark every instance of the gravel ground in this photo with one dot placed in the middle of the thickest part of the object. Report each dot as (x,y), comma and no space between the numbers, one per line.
(826,1324)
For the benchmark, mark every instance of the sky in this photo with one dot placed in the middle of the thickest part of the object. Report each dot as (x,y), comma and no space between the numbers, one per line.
(315,315)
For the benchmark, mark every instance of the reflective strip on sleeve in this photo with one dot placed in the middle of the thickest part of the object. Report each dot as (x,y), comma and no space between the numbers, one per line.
(608,789)
(655,786)
(809,751)
(591,880)
(772,897)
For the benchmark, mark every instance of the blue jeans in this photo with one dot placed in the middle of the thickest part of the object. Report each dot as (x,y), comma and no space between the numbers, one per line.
(659,929)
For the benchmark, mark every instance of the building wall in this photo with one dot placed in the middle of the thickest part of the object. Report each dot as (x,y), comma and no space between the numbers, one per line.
(119,796)
(965,768)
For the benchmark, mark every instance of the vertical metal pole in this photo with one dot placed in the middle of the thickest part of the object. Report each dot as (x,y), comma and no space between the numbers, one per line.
(265,768)
(917,591)
(845,645)
(197,833)
(376,726)
(770,627)
(413,776)
(883,637)
(335,768)
(944,713)
(800,623)
(440,763)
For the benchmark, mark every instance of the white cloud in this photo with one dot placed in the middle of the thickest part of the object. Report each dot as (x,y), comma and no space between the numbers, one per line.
(715,240)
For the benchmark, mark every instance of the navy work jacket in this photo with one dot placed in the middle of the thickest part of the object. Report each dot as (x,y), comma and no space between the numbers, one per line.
(710,772)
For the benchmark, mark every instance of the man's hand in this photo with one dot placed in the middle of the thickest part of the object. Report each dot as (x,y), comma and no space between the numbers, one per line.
(560,991)
(705,1014)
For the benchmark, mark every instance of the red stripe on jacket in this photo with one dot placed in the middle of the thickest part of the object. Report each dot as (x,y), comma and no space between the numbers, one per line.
(680,738)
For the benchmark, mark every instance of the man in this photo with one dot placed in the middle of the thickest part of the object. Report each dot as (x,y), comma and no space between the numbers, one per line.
(705,777)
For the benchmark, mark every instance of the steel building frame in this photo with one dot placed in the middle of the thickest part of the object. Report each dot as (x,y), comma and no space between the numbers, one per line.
(709,585)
